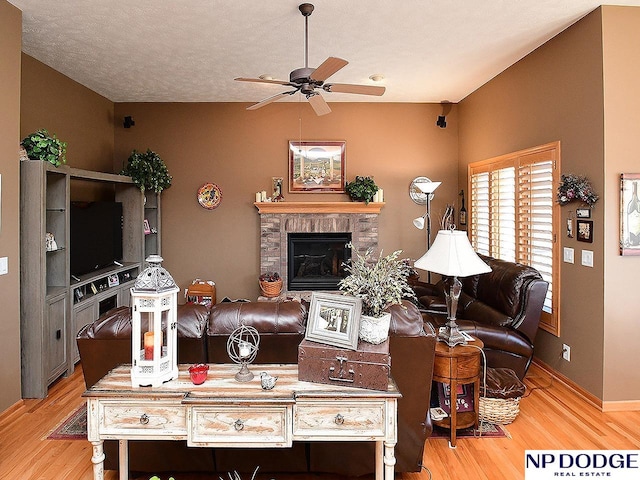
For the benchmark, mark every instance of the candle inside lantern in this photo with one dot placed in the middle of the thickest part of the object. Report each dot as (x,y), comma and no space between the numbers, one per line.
(148,345)
(244,349)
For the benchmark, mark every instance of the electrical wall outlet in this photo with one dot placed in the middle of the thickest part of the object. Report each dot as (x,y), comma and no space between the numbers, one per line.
(566,352)
(568,255)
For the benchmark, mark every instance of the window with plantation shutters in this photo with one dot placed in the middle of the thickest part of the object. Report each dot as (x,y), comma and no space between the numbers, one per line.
(513,215)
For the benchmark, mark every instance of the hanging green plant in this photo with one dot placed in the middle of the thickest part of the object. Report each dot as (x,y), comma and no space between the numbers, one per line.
(148,171)
(42,146)
(362,189)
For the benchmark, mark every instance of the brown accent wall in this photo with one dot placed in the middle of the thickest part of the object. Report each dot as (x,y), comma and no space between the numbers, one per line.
(71,111)
(621,37)
(10,44)
(241,150)
(579,88)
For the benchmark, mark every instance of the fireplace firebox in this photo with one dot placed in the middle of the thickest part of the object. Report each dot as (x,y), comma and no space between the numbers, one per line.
(316,260)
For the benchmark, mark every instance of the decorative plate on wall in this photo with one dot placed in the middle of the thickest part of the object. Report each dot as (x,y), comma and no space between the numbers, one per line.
(415,193)
(209,196)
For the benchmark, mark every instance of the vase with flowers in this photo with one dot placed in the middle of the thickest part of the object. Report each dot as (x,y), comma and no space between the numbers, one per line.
(379,283)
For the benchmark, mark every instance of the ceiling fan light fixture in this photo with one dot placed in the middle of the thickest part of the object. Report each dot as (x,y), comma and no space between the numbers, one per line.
(376,77)
(311,81)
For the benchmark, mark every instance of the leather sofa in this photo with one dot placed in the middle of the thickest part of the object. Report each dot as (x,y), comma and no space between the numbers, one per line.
(202,337)
(502,308)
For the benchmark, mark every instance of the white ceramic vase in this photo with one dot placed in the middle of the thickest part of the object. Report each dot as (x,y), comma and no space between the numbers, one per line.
(374,329)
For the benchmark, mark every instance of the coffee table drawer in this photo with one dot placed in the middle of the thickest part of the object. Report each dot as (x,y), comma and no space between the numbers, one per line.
(360,420)
(240,426)
(154,419)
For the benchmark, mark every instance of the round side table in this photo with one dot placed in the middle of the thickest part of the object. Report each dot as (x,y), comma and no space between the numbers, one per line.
(455,366)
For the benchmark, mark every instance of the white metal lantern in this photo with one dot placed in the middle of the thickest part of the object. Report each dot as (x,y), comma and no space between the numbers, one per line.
(154,335)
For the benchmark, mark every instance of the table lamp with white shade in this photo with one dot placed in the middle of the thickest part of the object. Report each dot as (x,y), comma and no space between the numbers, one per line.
(451,255)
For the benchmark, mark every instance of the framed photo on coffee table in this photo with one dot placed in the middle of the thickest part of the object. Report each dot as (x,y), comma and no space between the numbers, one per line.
(334,320)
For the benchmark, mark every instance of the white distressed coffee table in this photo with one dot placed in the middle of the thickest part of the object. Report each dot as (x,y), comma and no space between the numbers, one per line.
(224,413)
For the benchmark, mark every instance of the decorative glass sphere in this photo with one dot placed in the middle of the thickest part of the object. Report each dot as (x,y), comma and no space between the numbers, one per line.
(242,345)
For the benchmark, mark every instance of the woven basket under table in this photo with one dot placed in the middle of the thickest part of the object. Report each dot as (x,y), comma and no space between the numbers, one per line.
(499,411)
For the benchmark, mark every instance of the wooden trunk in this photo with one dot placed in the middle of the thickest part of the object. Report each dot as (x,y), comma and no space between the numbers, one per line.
(367,367)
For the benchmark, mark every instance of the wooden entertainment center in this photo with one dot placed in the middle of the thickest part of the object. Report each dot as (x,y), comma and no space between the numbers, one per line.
(53,305)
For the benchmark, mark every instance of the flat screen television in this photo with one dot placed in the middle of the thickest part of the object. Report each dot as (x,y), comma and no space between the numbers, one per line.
(96,236)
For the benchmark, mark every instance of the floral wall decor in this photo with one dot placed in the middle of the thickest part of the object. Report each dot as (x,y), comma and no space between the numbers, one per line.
(576,188)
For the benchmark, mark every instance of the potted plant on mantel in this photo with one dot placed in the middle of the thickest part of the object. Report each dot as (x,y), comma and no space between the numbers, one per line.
(362,189)
(379,284)
(42,146)
(148,171)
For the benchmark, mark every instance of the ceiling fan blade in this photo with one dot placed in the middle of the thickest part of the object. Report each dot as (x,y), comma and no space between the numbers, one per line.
(327,68)
(271,99)
(319,104)
(359,89)
(262,80)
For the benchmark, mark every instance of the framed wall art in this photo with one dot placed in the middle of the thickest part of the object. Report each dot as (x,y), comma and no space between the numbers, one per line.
(317,167)
(583,213)
(629,214)
(584,230)
(334,320)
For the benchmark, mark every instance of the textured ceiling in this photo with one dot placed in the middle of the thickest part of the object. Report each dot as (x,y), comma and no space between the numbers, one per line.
(190,50)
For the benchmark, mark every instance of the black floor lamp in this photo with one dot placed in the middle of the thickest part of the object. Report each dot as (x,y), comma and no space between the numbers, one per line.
(426,188)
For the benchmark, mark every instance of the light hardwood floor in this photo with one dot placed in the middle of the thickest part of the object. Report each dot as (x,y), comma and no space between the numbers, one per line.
(552,417)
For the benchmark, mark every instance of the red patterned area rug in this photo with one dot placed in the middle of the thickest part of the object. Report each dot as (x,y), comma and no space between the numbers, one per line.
(74,427)
(486,430)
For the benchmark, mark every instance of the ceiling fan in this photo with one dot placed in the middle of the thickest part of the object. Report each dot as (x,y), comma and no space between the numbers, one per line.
(310,81)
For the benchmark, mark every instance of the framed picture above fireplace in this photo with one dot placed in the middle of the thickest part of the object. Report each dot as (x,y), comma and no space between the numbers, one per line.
(334,320)
(317,166)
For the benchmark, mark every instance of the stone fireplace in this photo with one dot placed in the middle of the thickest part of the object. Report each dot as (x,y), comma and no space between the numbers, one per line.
(279,220)
(315,260)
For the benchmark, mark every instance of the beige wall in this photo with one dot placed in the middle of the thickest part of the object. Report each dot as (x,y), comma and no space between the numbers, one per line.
(10,44)
(241,150)
(621,34)
(555,93)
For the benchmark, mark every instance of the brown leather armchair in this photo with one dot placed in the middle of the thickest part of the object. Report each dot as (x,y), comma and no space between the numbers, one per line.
(502,308)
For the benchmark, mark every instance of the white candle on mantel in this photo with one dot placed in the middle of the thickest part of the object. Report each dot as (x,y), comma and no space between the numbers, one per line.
(258,197)
(380,193)
(263,194)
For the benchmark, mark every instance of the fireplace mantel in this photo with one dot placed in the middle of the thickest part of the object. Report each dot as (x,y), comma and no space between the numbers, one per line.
(319,207)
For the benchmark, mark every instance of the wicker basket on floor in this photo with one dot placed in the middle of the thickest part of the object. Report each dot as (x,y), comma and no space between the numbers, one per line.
(271,289)
(499,411)
(500,396)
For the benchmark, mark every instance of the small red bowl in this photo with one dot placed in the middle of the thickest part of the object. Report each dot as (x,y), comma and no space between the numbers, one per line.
(198,373)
